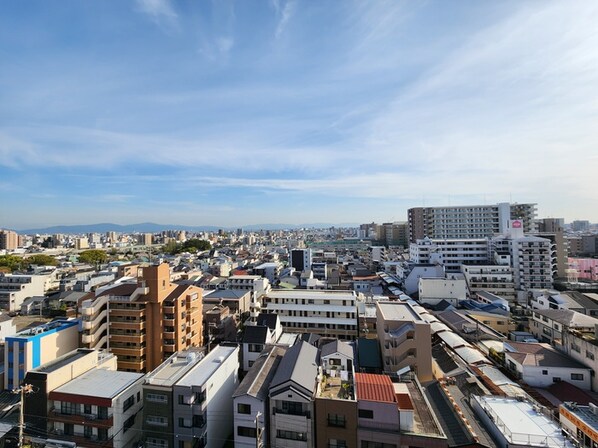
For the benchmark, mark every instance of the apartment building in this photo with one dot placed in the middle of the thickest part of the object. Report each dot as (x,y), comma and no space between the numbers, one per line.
(291,397)
(468,221)
(9,240)
(300,259)
(326,313)
(493,279)
(451,253)
(99,407)
(532,258)
(145,322)
(36,346)
(187,399)
(15,288)
(256,284)
(54,374)
(405,339)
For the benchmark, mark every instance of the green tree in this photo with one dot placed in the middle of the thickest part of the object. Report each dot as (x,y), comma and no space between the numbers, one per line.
(197,244)
(93,256)
(10,263)
(171,247)
(41,260)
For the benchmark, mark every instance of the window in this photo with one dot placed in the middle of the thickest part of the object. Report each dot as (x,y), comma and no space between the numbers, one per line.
(157,398)
(367,444)
(69,429)
(102,412)
(255,348)
(155,443)
(291,435)
(589,355)
(243,408)
(199,421)
(366,413)
(338,421)
(245,431)
(129,402)
(184,423)
(544,372)
(129,423)
(156,420)
(87,431)
(68,408)
(577,376)
(87,409)
(556,379)
(102,434)
(336,443)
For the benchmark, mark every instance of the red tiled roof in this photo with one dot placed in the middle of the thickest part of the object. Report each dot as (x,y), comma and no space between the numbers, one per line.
(565,391)
(373,387)
(404,401)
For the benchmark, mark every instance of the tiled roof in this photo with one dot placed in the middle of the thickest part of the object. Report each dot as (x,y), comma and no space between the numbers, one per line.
(404,401)
(373,387)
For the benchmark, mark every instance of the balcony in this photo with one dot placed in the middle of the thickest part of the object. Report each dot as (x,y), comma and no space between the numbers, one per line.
(137,366)
(130,338)
(81,440)
(127,351)
(305,414)
(127,325)
(80,419)
(168,310)
(114,312)
(169,335)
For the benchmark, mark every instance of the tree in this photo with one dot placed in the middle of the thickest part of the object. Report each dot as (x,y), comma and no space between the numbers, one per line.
(197,244)
(10,262)
(41,260)
(93,256)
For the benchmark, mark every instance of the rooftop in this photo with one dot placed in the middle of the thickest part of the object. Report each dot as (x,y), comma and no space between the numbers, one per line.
(539,354)
(171,370)
(521,424)
(257,381)
(398,311)
(312,294)
(45,329)
(203,370)
(100,383)
(372,387)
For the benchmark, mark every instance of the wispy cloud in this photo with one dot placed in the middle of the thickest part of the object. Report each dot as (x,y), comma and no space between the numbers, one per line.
(160,12)
(284,13)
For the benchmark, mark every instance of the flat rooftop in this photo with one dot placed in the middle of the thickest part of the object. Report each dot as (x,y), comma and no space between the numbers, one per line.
(398,311)
(202,371)
(311,294)
(521,424)
(45,329)
(100,383)
(171,370)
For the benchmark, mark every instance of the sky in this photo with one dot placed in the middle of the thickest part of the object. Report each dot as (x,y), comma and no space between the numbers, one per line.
(285,111)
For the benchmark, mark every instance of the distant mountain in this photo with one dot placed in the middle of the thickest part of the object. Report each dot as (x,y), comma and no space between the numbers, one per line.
(150,227)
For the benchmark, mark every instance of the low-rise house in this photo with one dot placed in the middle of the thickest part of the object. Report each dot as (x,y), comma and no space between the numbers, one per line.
(540,365)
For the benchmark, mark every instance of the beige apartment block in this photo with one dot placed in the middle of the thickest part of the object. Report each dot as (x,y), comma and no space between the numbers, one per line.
(405,339)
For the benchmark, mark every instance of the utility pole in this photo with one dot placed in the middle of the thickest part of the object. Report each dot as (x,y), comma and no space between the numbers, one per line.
(24,389)
(258,431)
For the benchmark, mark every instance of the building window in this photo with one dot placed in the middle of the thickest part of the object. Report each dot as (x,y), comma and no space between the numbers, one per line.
(68,408)
(589,355)
(184,423)
(338,421)
(199,421)
(243,408)
(128,402)
(368,444)
(544,372)
(156,420)
(366,413)
(155,443)
(255,348)
(336,443)
(128,423)
(156,398)
(102,434)
(69,429)
(102,412)
(575,347)
(87,432)
(577,376)
(291,435)
(244,431)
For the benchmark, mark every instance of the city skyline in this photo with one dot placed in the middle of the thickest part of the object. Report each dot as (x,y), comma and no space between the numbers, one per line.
(230,114)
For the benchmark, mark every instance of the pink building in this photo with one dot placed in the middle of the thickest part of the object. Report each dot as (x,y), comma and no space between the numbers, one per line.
(587,268)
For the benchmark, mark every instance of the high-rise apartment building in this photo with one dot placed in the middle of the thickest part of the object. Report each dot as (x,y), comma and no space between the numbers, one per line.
(468,221)
(144,323)
(9,240)
(301,259)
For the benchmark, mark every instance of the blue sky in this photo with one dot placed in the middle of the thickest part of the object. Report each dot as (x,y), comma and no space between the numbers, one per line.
(236,113)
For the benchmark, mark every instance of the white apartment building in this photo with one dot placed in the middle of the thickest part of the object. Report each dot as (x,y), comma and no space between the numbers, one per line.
(434,290)
(468,221)
(495,279)
(327,313)
(256,284)
(14,289)
(450,253)
(533,259)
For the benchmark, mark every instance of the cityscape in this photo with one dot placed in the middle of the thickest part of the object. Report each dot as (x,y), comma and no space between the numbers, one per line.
(298,224)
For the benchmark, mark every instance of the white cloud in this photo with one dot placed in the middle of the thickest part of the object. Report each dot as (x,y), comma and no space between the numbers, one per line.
(160,12)
(284,14)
